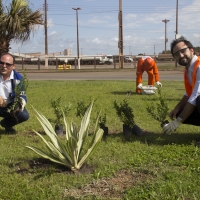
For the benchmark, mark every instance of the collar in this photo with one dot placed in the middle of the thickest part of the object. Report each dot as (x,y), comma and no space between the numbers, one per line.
(11,76)
(192,63)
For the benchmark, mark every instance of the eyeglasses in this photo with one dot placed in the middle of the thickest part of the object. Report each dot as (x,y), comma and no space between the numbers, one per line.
(181,51)
(5,63)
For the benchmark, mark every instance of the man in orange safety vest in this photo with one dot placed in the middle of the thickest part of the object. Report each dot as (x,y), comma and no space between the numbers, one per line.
(187,111)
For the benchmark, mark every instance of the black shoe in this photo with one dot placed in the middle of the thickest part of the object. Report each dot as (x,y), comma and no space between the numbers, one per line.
(197,144)
(8,129)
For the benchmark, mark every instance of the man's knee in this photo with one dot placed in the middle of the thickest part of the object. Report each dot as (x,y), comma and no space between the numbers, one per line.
(23,116)
(198,103)
(198,100)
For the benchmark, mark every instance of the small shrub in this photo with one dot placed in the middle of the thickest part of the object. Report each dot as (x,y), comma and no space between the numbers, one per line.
(59,111)
(20,90)
(102,120)
(158,110)
(81,108)
(125,113)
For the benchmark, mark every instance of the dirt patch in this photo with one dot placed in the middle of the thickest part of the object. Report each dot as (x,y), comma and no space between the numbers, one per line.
(108,188)
(30,167)
(105,188)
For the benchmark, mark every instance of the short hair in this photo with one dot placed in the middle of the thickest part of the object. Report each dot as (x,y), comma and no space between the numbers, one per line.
(3,54)
(181,39)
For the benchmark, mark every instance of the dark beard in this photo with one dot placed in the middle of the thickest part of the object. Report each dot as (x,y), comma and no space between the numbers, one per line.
(182,61)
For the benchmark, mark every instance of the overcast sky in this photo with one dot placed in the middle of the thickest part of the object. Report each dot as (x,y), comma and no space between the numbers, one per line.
(143,29)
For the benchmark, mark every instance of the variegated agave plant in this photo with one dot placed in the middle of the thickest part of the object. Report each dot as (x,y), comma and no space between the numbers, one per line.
(69,154)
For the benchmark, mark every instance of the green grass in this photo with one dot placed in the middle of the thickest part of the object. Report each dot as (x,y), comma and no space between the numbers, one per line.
(158,166)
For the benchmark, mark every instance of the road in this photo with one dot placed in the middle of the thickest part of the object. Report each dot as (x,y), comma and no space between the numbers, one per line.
(106,75)
(89,73)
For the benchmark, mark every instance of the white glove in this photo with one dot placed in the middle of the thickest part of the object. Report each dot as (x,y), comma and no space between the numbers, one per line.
(159,83)
(171,126)
(139,86)
(23,103)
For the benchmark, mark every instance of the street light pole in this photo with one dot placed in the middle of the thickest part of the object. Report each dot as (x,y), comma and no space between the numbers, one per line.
(46,37)
(176,26)
(166,40)
(120,42)
(76,9)
(176,17)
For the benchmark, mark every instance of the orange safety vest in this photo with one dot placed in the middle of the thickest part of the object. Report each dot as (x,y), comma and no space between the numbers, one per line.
(189,88)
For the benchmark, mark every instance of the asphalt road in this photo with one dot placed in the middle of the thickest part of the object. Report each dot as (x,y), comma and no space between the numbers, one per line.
(104,75)
(90,73)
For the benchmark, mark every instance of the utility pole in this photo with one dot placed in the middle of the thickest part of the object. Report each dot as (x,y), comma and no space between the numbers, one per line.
(176,36)
(166,39)
(120,42)
(46,37)
(176,17)
(76,9)
(154,50)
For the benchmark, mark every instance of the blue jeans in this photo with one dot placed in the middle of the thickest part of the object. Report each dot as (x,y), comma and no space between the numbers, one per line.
(194,118)
(10,120)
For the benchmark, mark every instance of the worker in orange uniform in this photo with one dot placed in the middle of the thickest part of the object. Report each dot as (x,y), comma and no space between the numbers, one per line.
(147,64)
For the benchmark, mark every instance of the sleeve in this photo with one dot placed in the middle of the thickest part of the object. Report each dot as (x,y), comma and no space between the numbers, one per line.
(18,81)
(139,72)
(155,72)
(196,90)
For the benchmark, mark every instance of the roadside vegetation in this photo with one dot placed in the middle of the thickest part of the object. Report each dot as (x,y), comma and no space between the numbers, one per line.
(154,166)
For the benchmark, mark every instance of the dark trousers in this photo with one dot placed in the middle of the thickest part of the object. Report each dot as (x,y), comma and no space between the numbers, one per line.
(10,120)
(194,118)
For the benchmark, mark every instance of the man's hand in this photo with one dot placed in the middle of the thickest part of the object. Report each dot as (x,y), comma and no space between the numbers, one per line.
(3,102)
(139,86)
(159,83)
(171,126)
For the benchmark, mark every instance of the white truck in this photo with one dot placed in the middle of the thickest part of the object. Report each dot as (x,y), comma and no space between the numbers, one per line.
(84,60)
(128,59)
(98,59)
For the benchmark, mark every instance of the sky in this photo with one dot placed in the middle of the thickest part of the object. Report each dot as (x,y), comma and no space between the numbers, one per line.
(98,26)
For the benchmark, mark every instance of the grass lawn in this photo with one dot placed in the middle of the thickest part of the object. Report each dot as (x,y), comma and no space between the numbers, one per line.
(154,166)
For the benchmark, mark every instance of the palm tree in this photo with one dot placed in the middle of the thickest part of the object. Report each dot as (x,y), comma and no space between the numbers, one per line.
(17,22)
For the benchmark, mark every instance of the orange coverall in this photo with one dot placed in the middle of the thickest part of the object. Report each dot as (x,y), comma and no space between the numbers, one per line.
(149,65)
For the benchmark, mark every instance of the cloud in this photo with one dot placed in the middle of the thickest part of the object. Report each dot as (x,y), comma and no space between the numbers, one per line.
(96,41)
(53,33)
(115,39)
(98,33)
(50,23)
(96,21)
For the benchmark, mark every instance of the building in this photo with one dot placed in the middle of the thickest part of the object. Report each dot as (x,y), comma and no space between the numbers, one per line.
(67,52)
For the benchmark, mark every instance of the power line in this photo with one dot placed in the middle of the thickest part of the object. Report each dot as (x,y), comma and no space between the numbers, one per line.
(115,29)
(104,9)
